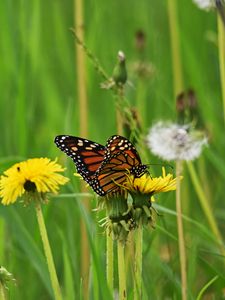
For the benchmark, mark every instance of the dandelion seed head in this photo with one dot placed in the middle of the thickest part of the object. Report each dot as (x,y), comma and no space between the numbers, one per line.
(205,4)
(175,142)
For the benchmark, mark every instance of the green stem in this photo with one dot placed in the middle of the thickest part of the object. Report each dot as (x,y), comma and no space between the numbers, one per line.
(48,253)
(119,116)
(175,47)
(121,271)
(2,237)
(221,45)
(109,259)
(182,252)
(2,292)
(138,263)
(205,206)
(205,287)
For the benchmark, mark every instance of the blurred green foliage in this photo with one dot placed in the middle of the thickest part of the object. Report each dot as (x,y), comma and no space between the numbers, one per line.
(38,101)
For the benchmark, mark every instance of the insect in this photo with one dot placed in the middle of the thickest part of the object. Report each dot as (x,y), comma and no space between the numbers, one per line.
(104,168)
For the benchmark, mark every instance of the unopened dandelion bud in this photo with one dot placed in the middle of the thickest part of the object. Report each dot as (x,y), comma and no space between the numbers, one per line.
(120,72)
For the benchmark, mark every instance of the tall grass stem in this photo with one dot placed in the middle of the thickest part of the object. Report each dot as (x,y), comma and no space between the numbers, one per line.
(48,253)
(181,242)
(205,206)
(83,121)
(175,47)
(221,47)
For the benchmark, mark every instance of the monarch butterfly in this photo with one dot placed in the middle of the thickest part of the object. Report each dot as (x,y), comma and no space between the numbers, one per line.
(104,168)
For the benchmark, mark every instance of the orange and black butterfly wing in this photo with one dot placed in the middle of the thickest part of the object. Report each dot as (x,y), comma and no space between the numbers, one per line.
(117,143)
(113,171)
(86,154)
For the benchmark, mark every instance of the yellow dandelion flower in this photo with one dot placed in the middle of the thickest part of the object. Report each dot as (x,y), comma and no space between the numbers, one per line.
(148,185)
(142,190)
(33,175)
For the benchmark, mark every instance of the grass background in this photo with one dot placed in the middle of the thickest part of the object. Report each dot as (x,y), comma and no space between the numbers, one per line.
(38,101)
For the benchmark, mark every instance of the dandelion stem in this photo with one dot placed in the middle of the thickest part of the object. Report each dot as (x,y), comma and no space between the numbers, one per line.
(175,46)
(121,270)
(182,252)
(48,253)
(205,206)
(138,263)
(221,45)
(109,259)
(2,292)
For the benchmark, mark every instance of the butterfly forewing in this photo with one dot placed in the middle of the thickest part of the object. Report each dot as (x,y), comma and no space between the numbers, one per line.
(117,143)
(86,154)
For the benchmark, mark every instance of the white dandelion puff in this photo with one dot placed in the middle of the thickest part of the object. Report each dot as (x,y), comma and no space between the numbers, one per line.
(172,141)
(209,4)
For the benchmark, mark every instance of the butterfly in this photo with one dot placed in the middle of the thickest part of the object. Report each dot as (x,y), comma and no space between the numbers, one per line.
(104,168)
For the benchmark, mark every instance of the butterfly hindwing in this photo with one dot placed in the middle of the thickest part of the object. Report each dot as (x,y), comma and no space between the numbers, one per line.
(120,159)
(86,154)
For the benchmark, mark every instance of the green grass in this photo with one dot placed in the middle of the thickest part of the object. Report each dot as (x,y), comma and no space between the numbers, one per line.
(38,101)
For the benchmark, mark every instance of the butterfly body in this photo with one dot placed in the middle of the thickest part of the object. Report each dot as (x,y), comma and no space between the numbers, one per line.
(104,168)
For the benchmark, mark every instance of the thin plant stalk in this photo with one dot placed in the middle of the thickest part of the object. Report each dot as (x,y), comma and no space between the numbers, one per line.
(83,114)
(2,238)
(121,270)
(109,259)
(181,242)
(221,47)
(119,116)
(205,206)
(2,292)
(178,87)
(138,263)
(175,46)
(48,252)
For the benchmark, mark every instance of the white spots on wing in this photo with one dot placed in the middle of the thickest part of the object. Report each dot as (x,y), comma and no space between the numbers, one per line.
(80,143)
(120,143)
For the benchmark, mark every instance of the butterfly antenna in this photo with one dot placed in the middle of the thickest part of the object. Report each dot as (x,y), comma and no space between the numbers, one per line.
(162,165)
